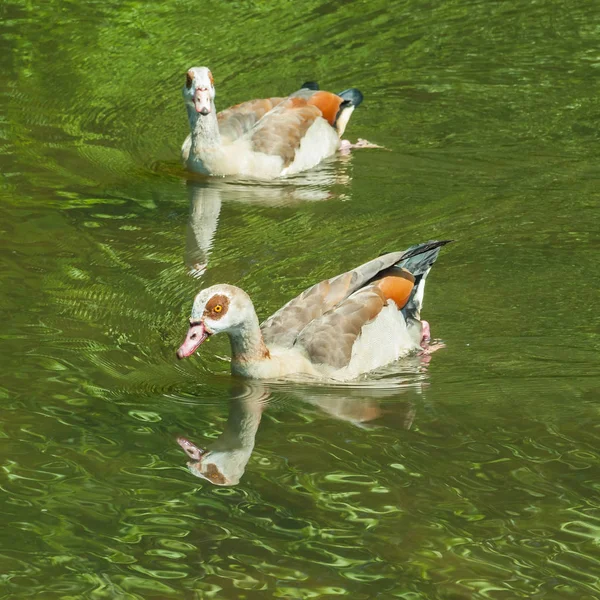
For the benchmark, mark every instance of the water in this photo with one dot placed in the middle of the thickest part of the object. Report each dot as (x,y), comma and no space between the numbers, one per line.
(472,474)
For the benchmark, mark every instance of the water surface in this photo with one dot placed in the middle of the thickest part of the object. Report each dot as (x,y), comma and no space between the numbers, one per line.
(470,475)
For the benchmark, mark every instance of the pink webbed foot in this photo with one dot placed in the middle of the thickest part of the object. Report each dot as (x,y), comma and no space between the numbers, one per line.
(426,345)
(431,348)
(425,333)
(362,143)
(347,145)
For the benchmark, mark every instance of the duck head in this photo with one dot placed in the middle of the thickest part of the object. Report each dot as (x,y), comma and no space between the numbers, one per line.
(199,90)
(220,308)
(224,467)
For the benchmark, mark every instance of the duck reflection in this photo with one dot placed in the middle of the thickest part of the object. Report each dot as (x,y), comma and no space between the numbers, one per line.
(205,207)
(207,195)
(224,461)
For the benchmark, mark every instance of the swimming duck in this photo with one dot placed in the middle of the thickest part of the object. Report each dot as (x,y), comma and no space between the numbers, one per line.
(338,329)
(266,138)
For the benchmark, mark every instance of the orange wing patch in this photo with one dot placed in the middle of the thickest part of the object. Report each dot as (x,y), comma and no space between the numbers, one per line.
(328,104)
(397,287)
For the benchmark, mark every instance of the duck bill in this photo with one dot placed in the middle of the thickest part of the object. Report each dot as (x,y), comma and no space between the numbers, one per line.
(196,335)
(202,102)
(191,449)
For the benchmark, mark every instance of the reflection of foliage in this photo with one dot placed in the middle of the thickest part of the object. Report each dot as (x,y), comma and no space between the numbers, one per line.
(489,108)
(107,93)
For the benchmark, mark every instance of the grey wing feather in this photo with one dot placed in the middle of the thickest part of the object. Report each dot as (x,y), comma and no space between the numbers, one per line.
(329,339)
(284,326)
(238,120)
(280,131)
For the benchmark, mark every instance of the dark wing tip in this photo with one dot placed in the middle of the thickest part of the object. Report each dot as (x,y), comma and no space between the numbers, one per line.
(310,85)
(421,248)
(424,247)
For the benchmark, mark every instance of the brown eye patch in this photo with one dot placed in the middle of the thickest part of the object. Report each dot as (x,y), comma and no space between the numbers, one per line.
(213,473)
(189,79)
(216,307)
(212,81)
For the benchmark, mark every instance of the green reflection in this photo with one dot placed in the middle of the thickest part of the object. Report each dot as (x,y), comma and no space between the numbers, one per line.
(476,476)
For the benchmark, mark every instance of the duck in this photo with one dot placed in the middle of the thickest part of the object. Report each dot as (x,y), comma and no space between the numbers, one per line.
(265,138)
(338,329)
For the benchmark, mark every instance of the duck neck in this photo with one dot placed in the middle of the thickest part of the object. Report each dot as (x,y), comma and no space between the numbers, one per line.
(247,344)
(204,129)
(243,421)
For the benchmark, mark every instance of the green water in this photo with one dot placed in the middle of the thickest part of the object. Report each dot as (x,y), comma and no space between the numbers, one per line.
(474,474)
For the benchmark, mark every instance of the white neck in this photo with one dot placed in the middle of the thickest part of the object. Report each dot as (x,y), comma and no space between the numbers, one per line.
(204,129)
(232,449)
(247,344)
(242,424)
(205,206)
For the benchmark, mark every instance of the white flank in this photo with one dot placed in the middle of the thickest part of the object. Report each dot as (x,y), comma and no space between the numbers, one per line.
(319,142)
(382,341)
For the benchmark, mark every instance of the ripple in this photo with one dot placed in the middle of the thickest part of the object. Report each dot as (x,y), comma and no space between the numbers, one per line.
(469,476)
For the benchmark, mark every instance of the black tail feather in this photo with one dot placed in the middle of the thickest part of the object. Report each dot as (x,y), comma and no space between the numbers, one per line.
(352,96)
(420,257)
(418,260)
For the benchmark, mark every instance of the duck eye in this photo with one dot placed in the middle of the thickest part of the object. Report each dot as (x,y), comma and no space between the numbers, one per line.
(218,308)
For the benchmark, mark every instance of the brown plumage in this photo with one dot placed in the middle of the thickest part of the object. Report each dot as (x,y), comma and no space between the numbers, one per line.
(343,324)
(282,133)
(217,306)
(338,308)
(241,118)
